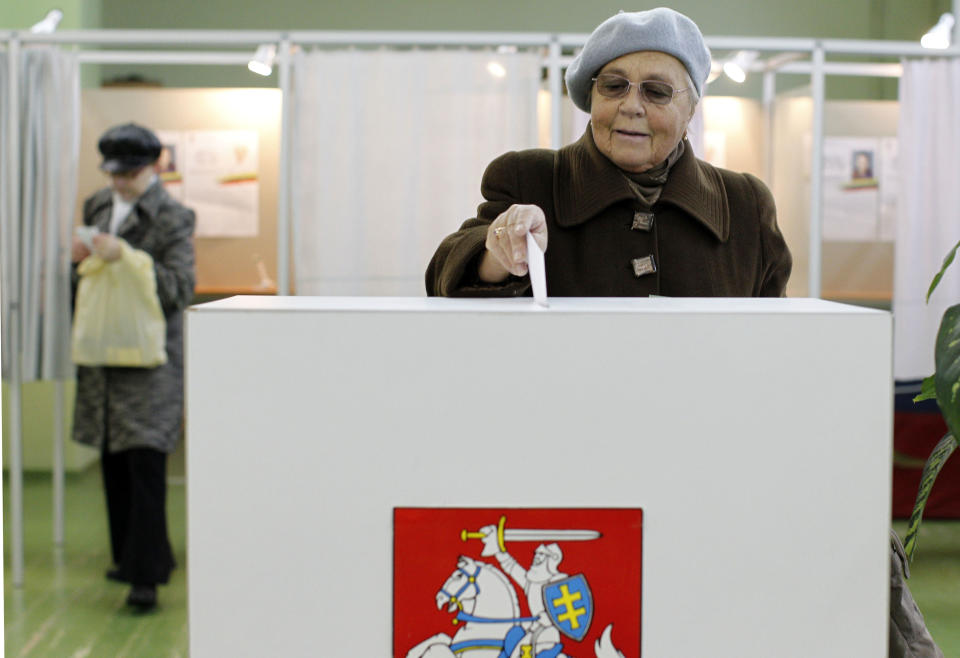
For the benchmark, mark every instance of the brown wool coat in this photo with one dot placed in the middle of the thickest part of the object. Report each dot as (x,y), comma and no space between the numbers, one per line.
(714,233)
(142,407)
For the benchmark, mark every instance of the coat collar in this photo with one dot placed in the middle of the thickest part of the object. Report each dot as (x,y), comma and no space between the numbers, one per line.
(150,201)
(145,208)
(586,183)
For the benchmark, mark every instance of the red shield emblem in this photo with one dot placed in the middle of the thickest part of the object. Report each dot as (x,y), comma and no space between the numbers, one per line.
(474,578)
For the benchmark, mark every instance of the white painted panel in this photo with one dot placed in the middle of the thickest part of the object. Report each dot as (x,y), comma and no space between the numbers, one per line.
(755,434)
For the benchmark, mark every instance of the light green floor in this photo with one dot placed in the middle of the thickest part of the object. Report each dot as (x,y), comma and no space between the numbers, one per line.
(935,580)
(67,609)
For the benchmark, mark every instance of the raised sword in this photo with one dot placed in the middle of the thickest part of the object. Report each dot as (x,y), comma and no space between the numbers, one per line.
(529,534)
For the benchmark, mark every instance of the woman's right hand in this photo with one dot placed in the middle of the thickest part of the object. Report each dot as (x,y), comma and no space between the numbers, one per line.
(106,247)
(78,250)
(507,242)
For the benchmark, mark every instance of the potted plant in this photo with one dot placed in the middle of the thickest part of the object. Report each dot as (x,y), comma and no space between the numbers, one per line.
(944,386)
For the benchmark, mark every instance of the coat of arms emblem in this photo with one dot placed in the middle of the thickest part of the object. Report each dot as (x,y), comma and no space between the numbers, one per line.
(494,583)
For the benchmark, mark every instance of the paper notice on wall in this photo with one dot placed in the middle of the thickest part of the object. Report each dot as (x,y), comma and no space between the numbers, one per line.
(216,174)
(851,200)
(171,172)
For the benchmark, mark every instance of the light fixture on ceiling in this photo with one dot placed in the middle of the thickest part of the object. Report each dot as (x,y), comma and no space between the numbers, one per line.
(496,69)
(736,67)
(939,36)
(716,68)
(262,62)
(49,23)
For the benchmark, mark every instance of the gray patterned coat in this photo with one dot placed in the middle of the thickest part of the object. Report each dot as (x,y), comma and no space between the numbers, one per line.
(142,407)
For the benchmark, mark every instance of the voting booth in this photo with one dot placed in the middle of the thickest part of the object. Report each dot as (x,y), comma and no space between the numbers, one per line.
(732,455)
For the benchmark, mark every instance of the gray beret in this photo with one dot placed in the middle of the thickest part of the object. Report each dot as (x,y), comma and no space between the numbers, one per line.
(661,29)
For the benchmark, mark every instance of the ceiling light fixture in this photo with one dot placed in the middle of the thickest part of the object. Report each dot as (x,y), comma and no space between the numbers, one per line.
(262,62)
(716,68)
(939,36)
(496,69)
(736,67)
(49,23)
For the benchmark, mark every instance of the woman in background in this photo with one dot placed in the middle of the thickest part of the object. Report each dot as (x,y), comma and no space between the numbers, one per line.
(134,415)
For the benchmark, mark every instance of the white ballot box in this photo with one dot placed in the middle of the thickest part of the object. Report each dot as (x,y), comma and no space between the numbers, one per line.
(695,477)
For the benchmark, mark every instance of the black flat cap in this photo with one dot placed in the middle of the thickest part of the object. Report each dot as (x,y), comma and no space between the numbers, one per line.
(128,147)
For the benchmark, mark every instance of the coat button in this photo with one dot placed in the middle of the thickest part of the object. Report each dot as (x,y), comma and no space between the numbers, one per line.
(642,221)
(643,266)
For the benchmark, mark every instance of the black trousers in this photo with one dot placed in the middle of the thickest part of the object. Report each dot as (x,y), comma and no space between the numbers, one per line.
(135,484)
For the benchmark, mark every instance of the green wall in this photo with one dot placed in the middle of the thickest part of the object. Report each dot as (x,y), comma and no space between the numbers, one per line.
(888,19)
(37,404)
(901,20)
(859,19)
(77,14)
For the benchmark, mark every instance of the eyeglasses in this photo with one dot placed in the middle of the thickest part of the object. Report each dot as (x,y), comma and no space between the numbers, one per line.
(612,85)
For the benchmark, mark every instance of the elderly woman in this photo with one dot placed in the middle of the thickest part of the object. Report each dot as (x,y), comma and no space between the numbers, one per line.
(627,210)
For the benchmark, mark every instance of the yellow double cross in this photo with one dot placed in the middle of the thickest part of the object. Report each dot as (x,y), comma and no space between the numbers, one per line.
(567,599)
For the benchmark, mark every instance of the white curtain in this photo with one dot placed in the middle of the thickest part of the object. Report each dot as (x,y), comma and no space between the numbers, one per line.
(579,120)
(929,221)
(389,148)
(9,253)
(36,243)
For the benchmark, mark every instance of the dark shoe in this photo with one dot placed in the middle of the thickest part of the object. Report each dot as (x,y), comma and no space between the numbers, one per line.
(115,575)
(143,597)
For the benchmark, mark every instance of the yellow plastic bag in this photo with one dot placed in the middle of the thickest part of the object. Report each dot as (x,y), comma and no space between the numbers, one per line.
(117,319)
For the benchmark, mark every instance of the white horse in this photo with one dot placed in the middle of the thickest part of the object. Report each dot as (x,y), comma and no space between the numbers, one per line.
(487,611)
(489,618)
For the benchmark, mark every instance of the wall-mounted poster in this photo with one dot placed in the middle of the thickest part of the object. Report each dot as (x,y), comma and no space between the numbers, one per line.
(517,582)
(859,188)
(215,173)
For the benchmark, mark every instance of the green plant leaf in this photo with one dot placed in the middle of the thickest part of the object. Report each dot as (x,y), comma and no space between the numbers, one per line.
(946,263)
(931,469)
(928,390)
(947,375)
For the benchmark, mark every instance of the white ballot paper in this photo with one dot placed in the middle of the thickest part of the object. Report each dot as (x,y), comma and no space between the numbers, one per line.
(538,271)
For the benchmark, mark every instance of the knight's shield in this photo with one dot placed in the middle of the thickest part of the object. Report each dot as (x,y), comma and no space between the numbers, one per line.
(570,605)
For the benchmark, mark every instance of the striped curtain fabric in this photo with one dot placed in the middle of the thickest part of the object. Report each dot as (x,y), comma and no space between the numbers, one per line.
(42,183)
(929,221)
(389,150)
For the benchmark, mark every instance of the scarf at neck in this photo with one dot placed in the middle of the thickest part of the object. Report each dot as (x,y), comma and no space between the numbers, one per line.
(648,185)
